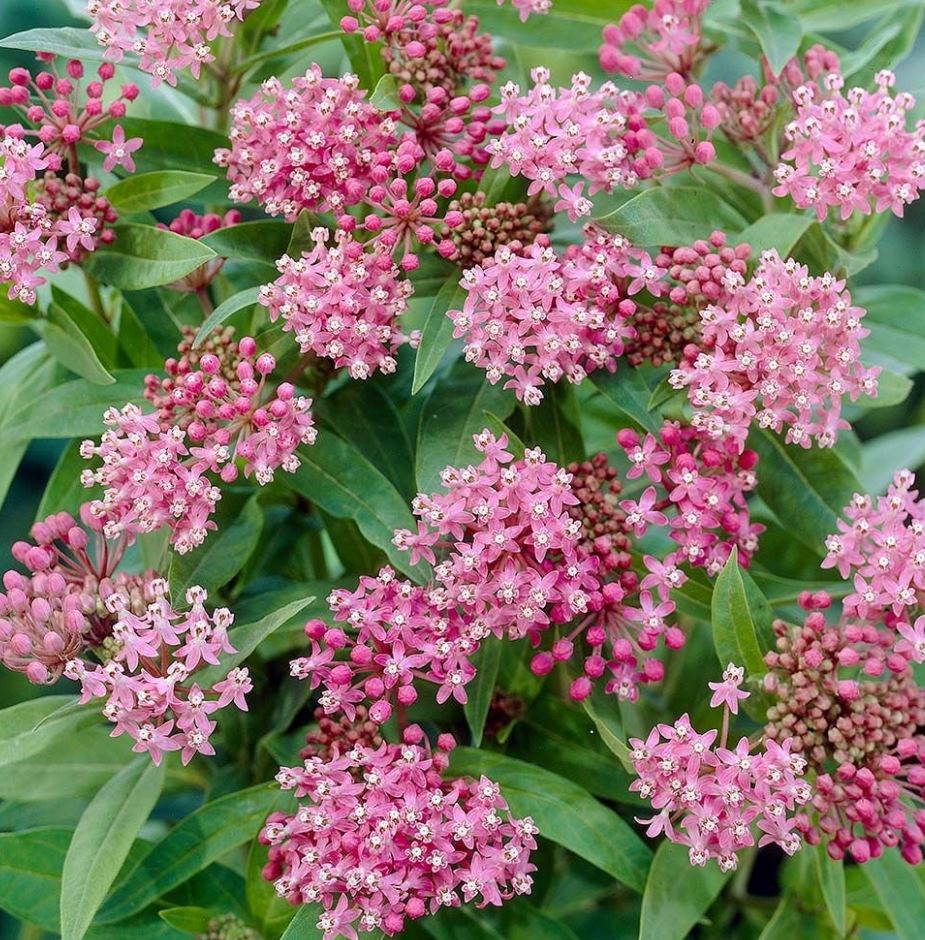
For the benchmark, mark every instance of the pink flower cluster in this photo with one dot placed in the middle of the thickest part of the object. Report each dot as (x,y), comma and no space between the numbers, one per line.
(782,351)
(312,146)
(650,43)
(342,302)
(860,733)
(149,659)
(706,482)
(155,467)
(533,317)
(168,36)
(852,150)
(50,221)
(190,225)
(381,837)
(601,136)
(881,543)
(711,799)
(65,604)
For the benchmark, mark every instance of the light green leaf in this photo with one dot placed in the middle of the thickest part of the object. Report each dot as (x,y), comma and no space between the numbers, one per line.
(385,94)
(606,719)
(143,256)
(778,230)
(883,455)
(437,334)
(14,312)
(30,874)
(30,726)
(145,192)
(776,29)
(564,812)
(265,240)
(225,310)
(892,389)
(806,489)
(742,619)
(102,841)
(188,919)
(896,320)
(677,893)
(487,661)
(304,925)
(172,146)
(899,888)
(72,348)
(672,215)
(63,40)
(831,875)
(194,843)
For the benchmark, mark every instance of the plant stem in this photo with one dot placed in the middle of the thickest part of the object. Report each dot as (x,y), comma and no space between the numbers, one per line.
(724,734)
(743,179)
(205,301)
(96,298)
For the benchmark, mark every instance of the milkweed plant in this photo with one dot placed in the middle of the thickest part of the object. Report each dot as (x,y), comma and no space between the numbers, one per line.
(460,528)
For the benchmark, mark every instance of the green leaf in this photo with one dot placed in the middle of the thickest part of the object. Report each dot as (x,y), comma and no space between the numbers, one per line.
(64,40)
(265,240)
(148,191)
(899,888)
(30,874)
(777,30)
(172,146)
(627,390)
(143,256)
(896,320)
(76,407)
(14,312)
(607,721)
(455,411)
(831,875)
(304,925)
(892,389)
(778,230)
(281,52)
(437,334)
(225,310)
(677,893)
(271,911)
(564,812)
(337,477)
(385,94)
(742,619)
(365,57)
(194,843)
(102,841)
(806,489)
(672,215)
(72,348)
(31,726)
(883,455)
(215,563)
(247,637)
(555,425)
(187,919)
(487,661)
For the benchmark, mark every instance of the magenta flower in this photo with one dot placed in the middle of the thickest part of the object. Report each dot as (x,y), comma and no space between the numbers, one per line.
(119,151)
(727,693)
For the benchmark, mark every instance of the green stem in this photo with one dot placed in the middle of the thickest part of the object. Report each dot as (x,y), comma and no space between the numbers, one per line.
(30,932)
(205,301)
(743,179)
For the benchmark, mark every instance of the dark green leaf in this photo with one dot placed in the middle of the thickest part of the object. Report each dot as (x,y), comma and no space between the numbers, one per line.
(742,619)
(282,52)
(14,312)
(304,925)
(147,191)
(677,893)
(72,348)
(806,489)
(564,813)
(627,390)
(487,661)
(899,888)
(437,334)
(896,320)
(672,215)
(569,24)
(198,840)
(455,411)
(143,256)
(883,455)
(102,841)
(892,389)
(266,240)
(337,477)
(215,563)
(225,310)
(172,146)
(555,425)
(187,919)
(30,874)
(831,875)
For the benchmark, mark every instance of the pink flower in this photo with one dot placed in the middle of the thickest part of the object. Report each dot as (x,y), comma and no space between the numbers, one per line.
(119,151)
(727,693)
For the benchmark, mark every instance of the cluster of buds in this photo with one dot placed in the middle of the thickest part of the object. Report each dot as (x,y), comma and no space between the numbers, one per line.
(782,350)
(483,229)
(68,601)
(228,927)
(860,733)
(50,213)
(382,837)
(711,799)
(148,662)
(650,43)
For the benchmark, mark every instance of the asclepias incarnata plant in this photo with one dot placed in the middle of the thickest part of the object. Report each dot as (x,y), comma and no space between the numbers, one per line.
(468,520)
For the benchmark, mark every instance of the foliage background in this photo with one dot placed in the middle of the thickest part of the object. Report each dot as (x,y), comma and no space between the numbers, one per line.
(900,261)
